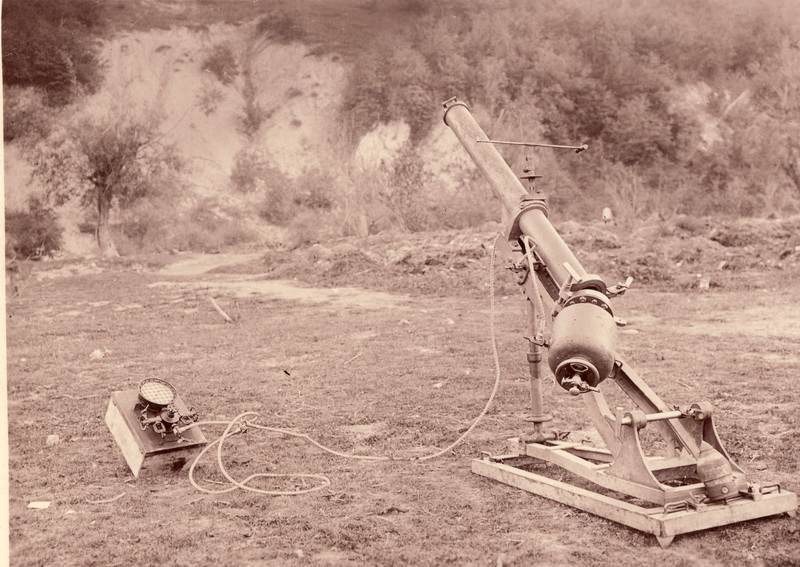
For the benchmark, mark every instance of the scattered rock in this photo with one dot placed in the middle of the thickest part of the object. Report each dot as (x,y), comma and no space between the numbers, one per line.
(52,440)
(43,505)
(97,354)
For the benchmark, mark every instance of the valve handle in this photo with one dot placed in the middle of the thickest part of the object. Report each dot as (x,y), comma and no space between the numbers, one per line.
(577,386)
(620,288)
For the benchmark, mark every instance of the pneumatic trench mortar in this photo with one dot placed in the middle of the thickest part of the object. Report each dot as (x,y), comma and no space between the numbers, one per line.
(692,484)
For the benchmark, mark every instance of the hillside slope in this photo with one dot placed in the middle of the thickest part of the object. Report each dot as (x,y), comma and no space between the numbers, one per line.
(163,69)
(292,91)
(273,106)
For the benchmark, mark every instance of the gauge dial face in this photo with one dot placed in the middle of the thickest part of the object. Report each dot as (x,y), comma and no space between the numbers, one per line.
(157,392)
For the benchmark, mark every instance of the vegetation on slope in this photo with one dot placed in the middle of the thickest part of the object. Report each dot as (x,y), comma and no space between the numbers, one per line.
(690,108)
(615,75)
(50,45)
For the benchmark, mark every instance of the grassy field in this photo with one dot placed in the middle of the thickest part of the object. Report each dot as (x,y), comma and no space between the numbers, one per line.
(385,367)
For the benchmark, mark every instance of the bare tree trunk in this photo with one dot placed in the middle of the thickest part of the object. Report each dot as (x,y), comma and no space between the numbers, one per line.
(104,239)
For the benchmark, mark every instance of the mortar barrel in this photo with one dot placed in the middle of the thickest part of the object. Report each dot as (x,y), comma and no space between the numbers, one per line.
(550,247)
(506,186)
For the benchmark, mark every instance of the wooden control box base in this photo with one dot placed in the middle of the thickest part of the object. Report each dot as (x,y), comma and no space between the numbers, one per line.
(145,451)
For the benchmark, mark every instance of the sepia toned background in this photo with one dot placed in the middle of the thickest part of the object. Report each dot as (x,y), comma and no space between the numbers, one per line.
(289,162)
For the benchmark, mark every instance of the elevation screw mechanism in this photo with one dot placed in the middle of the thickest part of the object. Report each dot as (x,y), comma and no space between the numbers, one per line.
(529,175)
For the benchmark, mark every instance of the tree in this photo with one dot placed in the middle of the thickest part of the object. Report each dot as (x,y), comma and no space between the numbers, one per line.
(52,45)
(777,92)
(26,116)
(115,159)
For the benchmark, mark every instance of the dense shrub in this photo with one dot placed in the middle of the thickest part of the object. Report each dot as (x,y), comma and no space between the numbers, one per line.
(314,190)
(26,117)
(52,45)
(407,196)
(614,75)
(208,99)
(253,116)
(208,227)
(221,63)
(251,168)
(281,27)
(254,172)
(33,233)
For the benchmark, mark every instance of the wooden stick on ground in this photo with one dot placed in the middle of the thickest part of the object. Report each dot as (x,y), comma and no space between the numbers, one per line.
(220,310)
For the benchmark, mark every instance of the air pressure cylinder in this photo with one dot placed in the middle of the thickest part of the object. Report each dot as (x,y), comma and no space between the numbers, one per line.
(583,341)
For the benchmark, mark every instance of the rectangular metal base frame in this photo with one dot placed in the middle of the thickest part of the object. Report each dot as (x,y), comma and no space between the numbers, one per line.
(665,526)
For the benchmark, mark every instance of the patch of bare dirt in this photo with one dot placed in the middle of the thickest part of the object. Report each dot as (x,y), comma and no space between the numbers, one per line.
(243,286)
(194,264)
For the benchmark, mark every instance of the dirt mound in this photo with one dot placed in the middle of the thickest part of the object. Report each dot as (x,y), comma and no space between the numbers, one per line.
(592,237)
(680,253)
(683,253)
(756,232)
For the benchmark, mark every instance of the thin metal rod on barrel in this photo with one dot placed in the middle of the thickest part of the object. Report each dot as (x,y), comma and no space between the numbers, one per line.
(578,149)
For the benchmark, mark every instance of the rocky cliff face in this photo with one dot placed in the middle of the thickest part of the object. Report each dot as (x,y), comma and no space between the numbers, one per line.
(163,69)
(298,93)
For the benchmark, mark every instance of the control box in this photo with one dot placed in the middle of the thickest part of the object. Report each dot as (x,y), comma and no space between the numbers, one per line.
(151,434)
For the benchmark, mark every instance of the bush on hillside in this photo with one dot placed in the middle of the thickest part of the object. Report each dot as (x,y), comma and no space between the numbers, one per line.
(221,63)
(314,190)
(253,116)
(281,27)
(33,233)
(253,172)
(52,45)
(26,116)
(208,99)
(209,227)
(407,197)
(614,77)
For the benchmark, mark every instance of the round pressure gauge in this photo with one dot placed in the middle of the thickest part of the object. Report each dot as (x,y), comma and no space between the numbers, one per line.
(155,392)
